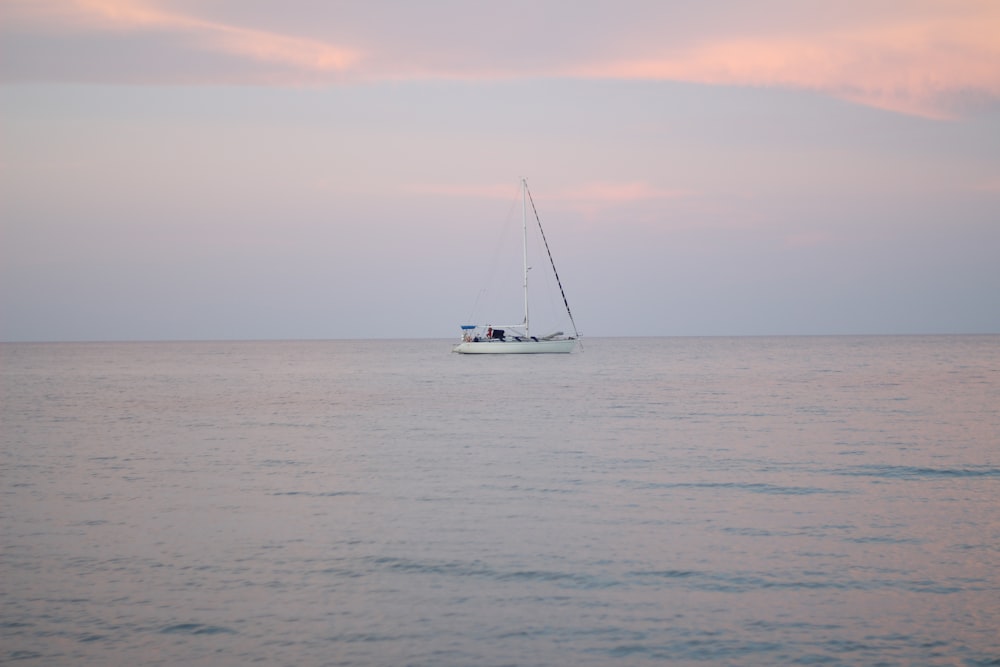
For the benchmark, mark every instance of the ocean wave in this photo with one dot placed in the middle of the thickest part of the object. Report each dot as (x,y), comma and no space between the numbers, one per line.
(921,472)
(196,629)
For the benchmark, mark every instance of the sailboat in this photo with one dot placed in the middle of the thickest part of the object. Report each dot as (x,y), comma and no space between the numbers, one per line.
(517,338)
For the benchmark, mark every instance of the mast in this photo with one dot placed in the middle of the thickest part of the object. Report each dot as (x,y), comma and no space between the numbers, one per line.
(524,235)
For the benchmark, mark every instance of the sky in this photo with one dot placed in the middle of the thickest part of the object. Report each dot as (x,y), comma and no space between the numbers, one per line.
(319,169)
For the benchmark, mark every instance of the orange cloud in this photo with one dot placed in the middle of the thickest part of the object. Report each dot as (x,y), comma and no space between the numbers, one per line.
(913,67)
(931,58)
(304,54)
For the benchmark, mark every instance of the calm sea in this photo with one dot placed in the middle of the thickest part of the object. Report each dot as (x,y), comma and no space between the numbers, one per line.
(691,501)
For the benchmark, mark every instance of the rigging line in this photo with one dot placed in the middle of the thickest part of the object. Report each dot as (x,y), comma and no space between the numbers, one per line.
(552,262)
(492,274)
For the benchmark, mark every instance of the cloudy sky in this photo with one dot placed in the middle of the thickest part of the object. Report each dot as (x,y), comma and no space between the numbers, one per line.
(255,169)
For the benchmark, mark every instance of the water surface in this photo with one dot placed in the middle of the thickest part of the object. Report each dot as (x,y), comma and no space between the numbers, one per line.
(693,500)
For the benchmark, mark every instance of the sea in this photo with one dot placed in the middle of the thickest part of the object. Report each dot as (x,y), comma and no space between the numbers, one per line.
(642,501)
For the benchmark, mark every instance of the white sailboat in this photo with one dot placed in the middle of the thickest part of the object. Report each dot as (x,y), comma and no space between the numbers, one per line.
(517,338)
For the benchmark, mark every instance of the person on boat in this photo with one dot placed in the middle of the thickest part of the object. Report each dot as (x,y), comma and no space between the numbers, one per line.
(489,333)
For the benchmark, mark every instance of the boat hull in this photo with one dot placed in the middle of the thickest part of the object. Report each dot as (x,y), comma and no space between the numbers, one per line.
(562,346)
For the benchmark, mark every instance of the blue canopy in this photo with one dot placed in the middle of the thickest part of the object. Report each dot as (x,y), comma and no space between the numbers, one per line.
(468,326)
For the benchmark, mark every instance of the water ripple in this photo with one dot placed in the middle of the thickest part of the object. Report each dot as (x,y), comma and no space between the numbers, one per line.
(921,472)
(196,629)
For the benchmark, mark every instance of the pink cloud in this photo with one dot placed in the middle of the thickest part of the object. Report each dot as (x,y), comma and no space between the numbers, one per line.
(589,193)
(592,201)
(910,66)
(447,190)
(307,55)
(987,184)
(612,193)
(924,58)
(596,200)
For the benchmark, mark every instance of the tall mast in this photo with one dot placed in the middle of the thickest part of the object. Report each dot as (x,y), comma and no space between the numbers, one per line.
(524,234)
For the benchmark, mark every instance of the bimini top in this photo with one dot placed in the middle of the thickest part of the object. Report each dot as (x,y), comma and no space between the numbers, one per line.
(468,326)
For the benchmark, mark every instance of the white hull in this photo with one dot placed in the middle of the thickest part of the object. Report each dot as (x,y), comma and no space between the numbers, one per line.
(562,346)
